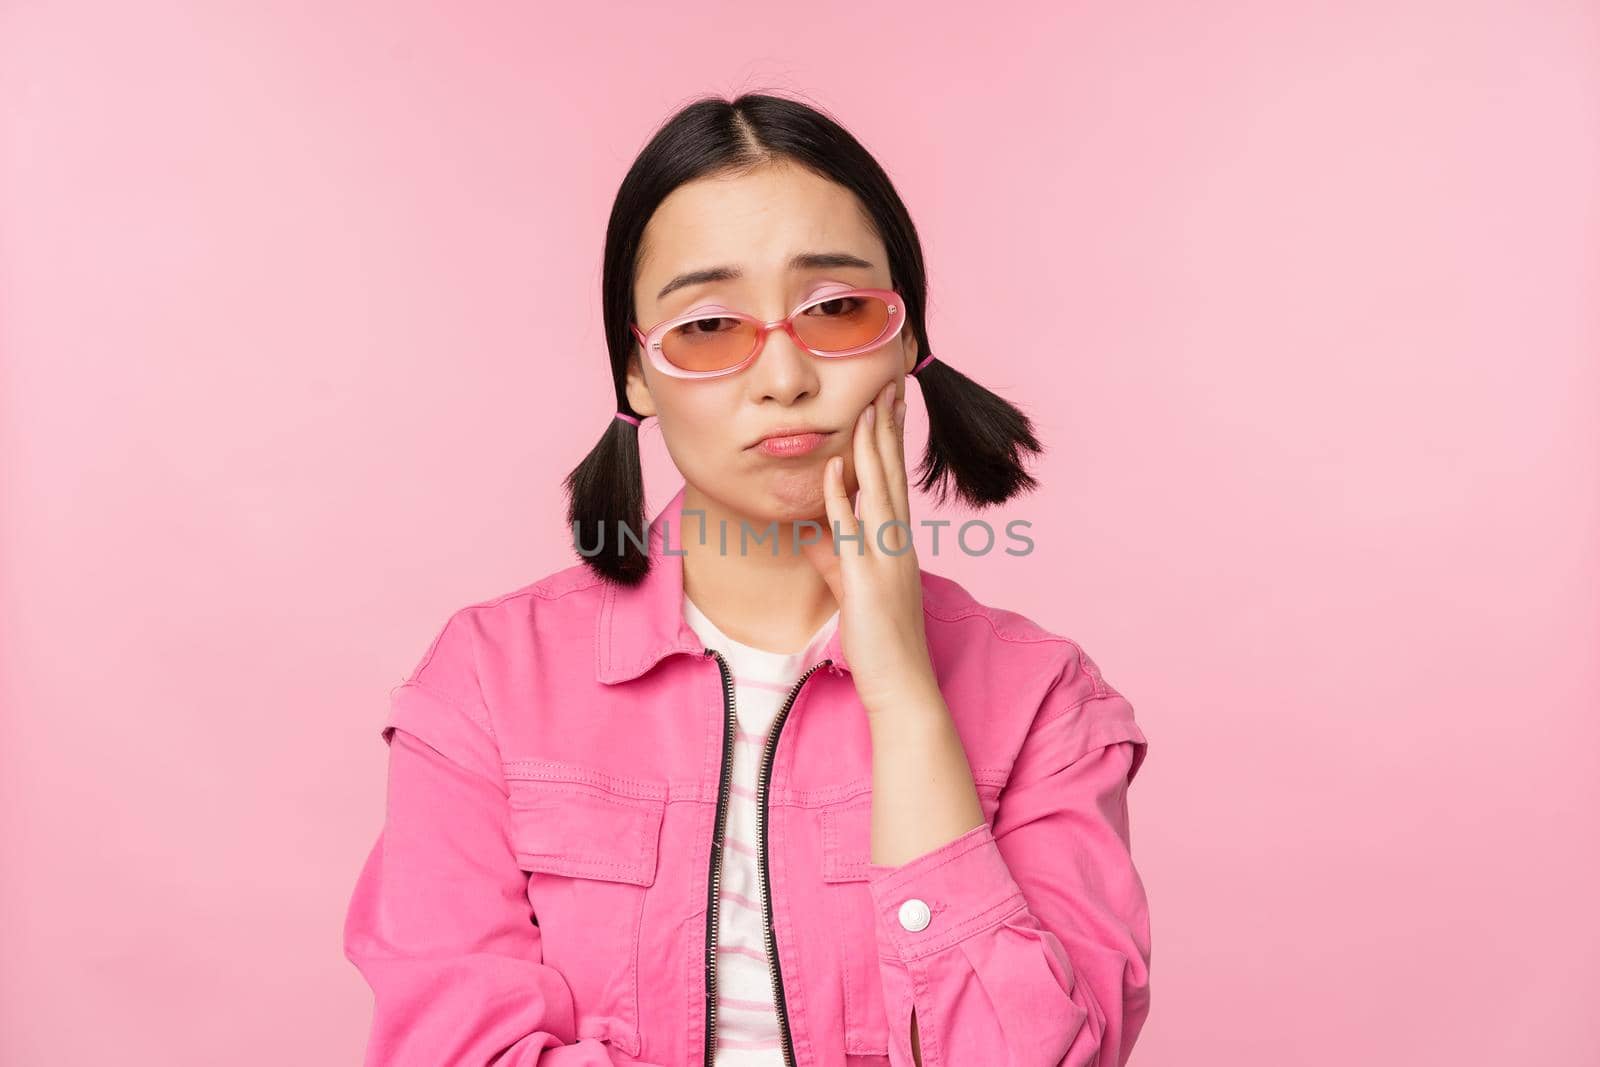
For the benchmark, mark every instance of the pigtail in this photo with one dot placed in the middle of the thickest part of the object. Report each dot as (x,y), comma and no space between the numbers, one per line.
(976,440)
(605,506)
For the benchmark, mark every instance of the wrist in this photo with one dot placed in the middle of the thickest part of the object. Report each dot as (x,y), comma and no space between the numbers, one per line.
(917,701)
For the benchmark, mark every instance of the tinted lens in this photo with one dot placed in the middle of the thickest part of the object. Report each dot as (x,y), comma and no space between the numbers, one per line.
(843,323)
(711,343)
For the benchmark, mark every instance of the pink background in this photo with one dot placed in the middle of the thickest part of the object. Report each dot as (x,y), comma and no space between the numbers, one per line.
(300,330)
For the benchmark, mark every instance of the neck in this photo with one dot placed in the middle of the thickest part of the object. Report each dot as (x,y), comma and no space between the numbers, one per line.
(766,599)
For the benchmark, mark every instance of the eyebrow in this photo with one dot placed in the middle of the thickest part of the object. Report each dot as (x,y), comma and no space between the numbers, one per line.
(802,261)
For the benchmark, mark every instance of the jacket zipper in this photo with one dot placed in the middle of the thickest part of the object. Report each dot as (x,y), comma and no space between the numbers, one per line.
(730,724)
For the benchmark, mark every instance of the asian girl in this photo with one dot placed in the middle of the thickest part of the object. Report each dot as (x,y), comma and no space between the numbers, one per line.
(921,856)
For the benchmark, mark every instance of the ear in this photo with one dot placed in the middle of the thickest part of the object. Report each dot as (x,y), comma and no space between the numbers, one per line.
(908,342)
(638,392)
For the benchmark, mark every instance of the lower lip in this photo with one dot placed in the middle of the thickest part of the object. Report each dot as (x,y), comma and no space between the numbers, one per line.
(795,445)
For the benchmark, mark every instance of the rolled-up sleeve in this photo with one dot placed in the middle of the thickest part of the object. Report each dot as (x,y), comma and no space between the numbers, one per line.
(1027,943)
(439,924)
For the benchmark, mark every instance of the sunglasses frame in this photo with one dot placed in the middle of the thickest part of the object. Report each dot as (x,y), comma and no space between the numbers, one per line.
(651,341)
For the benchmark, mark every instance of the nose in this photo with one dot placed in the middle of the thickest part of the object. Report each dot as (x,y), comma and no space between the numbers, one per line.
(783,371)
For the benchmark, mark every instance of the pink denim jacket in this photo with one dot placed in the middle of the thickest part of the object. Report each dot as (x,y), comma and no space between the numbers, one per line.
(558,772)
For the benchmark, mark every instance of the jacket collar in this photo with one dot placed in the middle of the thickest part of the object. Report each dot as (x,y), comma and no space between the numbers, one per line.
(638,626)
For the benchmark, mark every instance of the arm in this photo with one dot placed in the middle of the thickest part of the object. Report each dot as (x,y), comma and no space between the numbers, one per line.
(1038,948)
(439,924)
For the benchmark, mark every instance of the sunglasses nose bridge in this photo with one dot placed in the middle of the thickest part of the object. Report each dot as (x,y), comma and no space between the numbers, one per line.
(764,329)
(787,326)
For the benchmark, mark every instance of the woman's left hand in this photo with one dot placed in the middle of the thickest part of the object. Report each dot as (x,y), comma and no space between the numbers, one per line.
(875,577)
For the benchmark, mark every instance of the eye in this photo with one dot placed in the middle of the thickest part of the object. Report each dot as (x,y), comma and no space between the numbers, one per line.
(716,324)
(836,307)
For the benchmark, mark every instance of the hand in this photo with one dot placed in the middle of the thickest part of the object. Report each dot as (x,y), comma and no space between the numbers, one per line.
(876,578)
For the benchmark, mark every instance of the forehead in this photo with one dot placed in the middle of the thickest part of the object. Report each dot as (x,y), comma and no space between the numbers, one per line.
(756,220)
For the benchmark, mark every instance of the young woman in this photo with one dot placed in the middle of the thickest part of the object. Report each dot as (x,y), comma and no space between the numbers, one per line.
(749,785)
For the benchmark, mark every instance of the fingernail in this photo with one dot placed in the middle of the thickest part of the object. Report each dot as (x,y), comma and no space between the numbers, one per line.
(872,410)
(899,412)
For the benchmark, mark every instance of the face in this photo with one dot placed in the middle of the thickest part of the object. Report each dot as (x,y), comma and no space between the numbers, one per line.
(754,224)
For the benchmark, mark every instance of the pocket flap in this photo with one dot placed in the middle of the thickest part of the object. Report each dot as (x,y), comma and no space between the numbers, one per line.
(582,832)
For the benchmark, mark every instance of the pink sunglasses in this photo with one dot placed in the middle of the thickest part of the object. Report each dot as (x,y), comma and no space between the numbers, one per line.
(711,341)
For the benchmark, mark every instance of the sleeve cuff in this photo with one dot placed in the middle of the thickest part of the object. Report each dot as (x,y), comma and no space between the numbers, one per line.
(961,888)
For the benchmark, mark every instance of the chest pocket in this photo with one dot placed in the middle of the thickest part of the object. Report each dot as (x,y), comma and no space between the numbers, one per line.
(846,856)
(590,851)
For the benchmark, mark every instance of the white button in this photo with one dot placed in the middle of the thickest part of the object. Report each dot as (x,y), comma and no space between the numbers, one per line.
(914,915)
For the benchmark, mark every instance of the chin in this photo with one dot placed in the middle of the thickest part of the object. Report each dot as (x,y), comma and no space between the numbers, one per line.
(796,494)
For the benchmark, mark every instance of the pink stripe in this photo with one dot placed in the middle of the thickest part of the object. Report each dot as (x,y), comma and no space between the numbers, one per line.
(744,1005)
(740,846)
(728,1042)
(741,791)
(740,899)
(740,950)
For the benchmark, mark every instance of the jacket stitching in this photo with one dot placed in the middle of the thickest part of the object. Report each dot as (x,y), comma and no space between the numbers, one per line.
(894,882)
(481,721)
(558,772)
(1088,665)
(1079,706)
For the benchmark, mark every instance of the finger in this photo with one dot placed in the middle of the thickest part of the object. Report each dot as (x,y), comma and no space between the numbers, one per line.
(891,446)
(820,553)
(840,516)
(873,501)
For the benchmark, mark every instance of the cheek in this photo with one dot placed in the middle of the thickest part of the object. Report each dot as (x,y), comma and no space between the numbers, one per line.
(687,404)
(694,421)
(859,378)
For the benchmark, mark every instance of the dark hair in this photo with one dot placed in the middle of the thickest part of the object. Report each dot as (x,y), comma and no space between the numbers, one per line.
(975,438)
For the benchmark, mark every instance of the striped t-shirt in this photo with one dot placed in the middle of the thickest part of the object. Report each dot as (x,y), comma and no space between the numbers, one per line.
(747,1019)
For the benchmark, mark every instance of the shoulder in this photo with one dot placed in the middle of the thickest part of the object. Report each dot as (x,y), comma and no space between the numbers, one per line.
(1008,641)
(477,638)
(571,587)
(1025,694)
(448,698)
